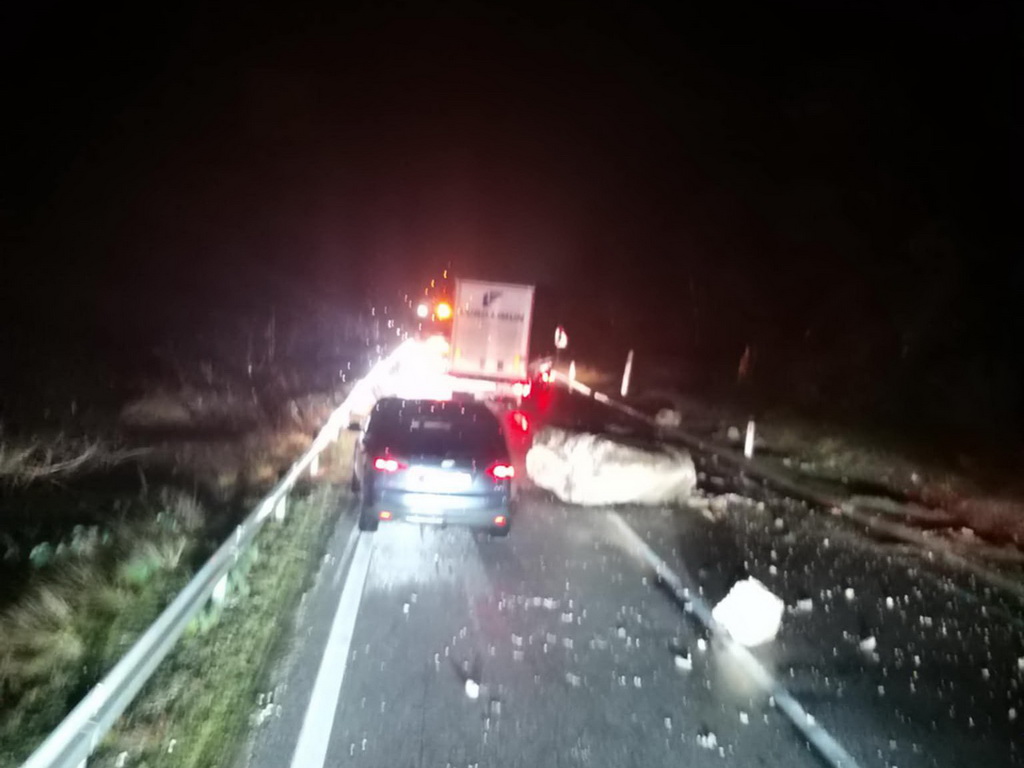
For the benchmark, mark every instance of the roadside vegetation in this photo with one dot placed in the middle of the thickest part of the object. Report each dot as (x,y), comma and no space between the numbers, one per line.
(182,720)
(86,600)
(99,531)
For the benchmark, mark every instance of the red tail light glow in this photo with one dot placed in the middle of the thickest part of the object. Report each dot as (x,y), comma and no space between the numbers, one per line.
(384,515)
(500,520)
(384,464)
(520,420)
(502,471)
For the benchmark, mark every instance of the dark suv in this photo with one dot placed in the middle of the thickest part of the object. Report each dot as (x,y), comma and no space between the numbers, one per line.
(437,462)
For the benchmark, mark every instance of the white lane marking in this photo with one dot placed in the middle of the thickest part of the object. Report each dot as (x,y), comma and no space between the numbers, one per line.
(311,749)
(822,740)
(353,537)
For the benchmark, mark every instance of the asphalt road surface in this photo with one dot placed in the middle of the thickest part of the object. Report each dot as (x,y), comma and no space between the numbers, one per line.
(561,646)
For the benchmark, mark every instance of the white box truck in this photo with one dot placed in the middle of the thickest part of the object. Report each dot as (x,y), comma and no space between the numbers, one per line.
(490,341)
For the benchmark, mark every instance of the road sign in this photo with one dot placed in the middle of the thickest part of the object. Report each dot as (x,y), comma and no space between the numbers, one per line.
(561,338)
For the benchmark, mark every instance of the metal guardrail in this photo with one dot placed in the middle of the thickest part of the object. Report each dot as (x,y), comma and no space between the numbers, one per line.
(77,736)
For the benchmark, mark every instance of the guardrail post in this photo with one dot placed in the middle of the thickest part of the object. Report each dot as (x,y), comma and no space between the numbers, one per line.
(748,445)
(220,591)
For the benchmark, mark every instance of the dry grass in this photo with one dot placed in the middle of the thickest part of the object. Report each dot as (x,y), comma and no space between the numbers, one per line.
(191,408)
(157,410)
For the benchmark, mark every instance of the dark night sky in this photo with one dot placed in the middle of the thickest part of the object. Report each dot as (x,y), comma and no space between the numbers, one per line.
(800,172)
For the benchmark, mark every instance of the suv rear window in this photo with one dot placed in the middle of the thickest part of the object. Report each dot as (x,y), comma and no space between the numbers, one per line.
(426,428)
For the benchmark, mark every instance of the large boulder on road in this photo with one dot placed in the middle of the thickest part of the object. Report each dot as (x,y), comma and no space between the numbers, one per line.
(589,469)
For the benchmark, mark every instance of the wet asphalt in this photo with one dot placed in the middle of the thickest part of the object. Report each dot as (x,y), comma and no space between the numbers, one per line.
(576,655)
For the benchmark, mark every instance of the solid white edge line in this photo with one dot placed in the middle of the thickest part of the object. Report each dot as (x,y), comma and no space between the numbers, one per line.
(343,561)
(311,748)
(828,747)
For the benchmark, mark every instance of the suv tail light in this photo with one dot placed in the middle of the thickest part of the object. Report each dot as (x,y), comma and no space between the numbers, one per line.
(385,464)
(502,471)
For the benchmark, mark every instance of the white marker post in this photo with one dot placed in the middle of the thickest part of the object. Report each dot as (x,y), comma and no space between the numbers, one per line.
(627,373)
(748,445)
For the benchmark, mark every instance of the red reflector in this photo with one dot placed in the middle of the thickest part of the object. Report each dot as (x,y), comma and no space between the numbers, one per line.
(502,471)
(500,520)
(385,515)
(383,464)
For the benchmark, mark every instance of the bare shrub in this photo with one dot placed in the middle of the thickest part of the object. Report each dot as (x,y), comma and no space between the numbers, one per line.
(54,458)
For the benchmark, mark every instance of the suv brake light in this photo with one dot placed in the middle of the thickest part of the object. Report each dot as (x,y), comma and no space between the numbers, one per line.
(384,464)
(501,471)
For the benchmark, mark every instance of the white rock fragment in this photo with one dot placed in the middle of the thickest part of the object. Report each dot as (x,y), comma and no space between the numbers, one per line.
(850,594)
(750,613)
(707,740)
(744,718)
(684,662)
(1012,714)
(804,605)
(702,644)
(890,603)
(472,688)
(573,680)
(868,644)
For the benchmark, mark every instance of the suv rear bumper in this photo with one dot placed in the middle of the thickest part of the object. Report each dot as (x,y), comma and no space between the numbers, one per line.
(477,511)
